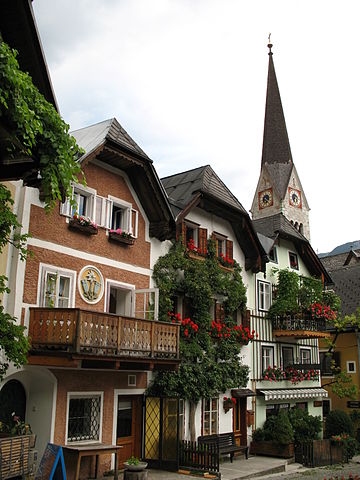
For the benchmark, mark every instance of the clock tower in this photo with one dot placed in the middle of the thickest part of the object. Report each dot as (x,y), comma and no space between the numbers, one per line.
(279,189)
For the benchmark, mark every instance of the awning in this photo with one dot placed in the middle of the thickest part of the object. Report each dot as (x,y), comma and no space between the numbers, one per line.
(294,393)
(242,392)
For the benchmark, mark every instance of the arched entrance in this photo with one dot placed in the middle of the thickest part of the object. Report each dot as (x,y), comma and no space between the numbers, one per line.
(12,402)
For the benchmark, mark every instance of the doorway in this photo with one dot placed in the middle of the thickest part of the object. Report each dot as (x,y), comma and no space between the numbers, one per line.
(239,421)
(128,427)
(118,299)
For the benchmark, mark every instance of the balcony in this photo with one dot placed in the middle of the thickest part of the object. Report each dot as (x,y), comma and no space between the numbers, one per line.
(303,327)
(95,336)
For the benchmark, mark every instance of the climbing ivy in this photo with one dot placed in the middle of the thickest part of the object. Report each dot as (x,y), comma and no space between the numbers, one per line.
(37,129)
(208,366)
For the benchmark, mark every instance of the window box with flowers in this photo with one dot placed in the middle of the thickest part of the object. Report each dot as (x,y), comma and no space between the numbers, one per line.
(121,236)
(194,251)
(226,262)
(83,224)
(294,375)
(229,403)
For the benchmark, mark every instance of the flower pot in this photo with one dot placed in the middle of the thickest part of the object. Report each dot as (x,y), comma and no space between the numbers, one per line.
(135,468)
(87,229)
(118,238)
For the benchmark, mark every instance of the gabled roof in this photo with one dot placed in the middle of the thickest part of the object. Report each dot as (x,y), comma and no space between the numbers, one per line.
(347,286)
(276,153)
(91,137)
(109,143)
(278,226)
(183,187)
(202,188)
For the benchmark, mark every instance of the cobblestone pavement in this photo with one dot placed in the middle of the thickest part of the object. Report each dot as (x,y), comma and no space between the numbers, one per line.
(320,473)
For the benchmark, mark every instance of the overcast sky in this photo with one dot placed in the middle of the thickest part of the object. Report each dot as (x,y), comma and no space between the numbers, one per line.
(187,80)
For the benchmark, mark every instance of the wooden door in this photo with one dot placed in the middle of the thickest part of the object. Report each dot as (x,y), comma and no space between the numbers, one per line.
(239,421)
(128,427)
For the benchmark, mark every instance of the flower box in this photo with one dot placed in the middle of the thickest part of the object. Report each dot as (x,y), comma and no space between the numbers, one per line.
(126,240)
(272,449)
(89,229)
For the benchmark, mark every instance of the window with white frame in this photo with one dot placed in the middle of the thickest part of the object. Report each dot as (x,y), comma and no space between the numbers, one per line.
(293,260)
(305,356)
(210,415)
(220,245)
(351,367)
(112,213)
(267,354)
(264,295)
(191,233)
(84,417)
(287,356)
(123,217)
(56,287)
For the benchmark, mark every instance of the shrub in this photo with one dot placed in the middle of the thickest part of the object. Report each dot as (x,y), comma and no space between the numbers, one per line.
(306,427)
(277,429)
(351,448)
(338,422)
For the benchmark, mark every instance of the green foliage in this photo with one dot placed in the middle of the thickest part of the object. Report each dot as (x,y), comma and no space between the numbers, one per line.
(306,427)
(13,342)
(276,429)
(9,224)
(208,366)
(287,294)
(310,291)
(338,422)
(350,448)
(36,126)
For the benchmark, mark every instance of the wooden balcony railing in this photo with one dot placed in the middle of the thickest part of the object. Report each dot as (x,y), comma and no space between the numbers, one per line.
(94,333)
(303,327)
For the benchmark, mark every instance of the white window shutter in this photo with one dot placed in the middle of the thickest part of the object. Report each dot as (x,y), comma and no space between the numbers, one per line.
(65,208)
(108,209)
(134,214)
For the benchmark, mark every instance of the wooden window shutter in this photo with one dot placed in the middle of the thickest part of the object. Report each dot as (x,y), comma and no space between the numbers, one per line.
(202,240)
(229,249)
(181,232)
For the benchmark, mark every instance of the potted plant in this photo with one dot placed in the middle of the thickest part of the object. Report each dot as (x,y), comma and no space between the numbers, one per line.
(134,464)
(275,439)
(229,403)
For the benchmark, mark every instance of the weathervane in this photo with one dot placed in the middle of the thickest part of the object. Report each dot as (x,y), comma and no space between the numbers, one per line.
(269,44)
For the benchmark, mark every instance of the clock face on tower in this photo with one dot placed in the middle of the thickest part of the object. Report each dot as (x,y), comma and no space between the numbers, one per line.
(294,197)
(266,198)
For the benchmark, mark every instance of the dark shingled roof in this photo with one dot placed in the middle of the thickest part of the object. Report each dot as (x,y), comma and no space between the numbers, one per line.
(279,226)
(272,226)
(276,153)
(89,138)
(347,286)
(183,187)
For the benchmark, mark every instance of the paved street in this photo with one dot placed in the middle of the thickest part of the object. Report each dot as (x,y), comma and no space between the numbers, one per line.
(321,473)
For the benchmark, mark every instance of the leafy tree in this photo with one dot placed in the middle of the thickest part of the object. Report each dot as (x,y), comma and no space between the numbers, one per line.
(337,422)
(35,130)
(306,427)
(210,363)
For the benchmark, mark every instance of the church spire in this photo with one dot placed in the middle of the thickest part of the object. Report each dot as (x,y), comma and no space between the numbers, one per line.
(276,146)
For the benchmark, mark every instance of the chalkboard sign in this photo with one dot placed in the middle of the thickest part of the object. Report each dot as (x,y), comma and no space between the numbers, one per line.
(52,465)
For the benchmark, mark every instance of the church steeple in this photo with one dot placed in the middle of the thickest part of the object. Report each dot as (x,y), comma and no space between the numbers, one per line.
(279,188)
(276,145)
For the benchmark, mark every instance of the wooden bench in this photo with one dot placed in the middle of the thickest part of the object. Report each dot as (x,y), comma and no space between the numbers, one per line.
(225,443)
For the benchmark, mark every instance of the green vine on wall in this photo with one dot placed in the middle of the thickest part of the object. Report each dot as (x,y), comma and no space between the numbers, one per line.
(208,366)
(37,129)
